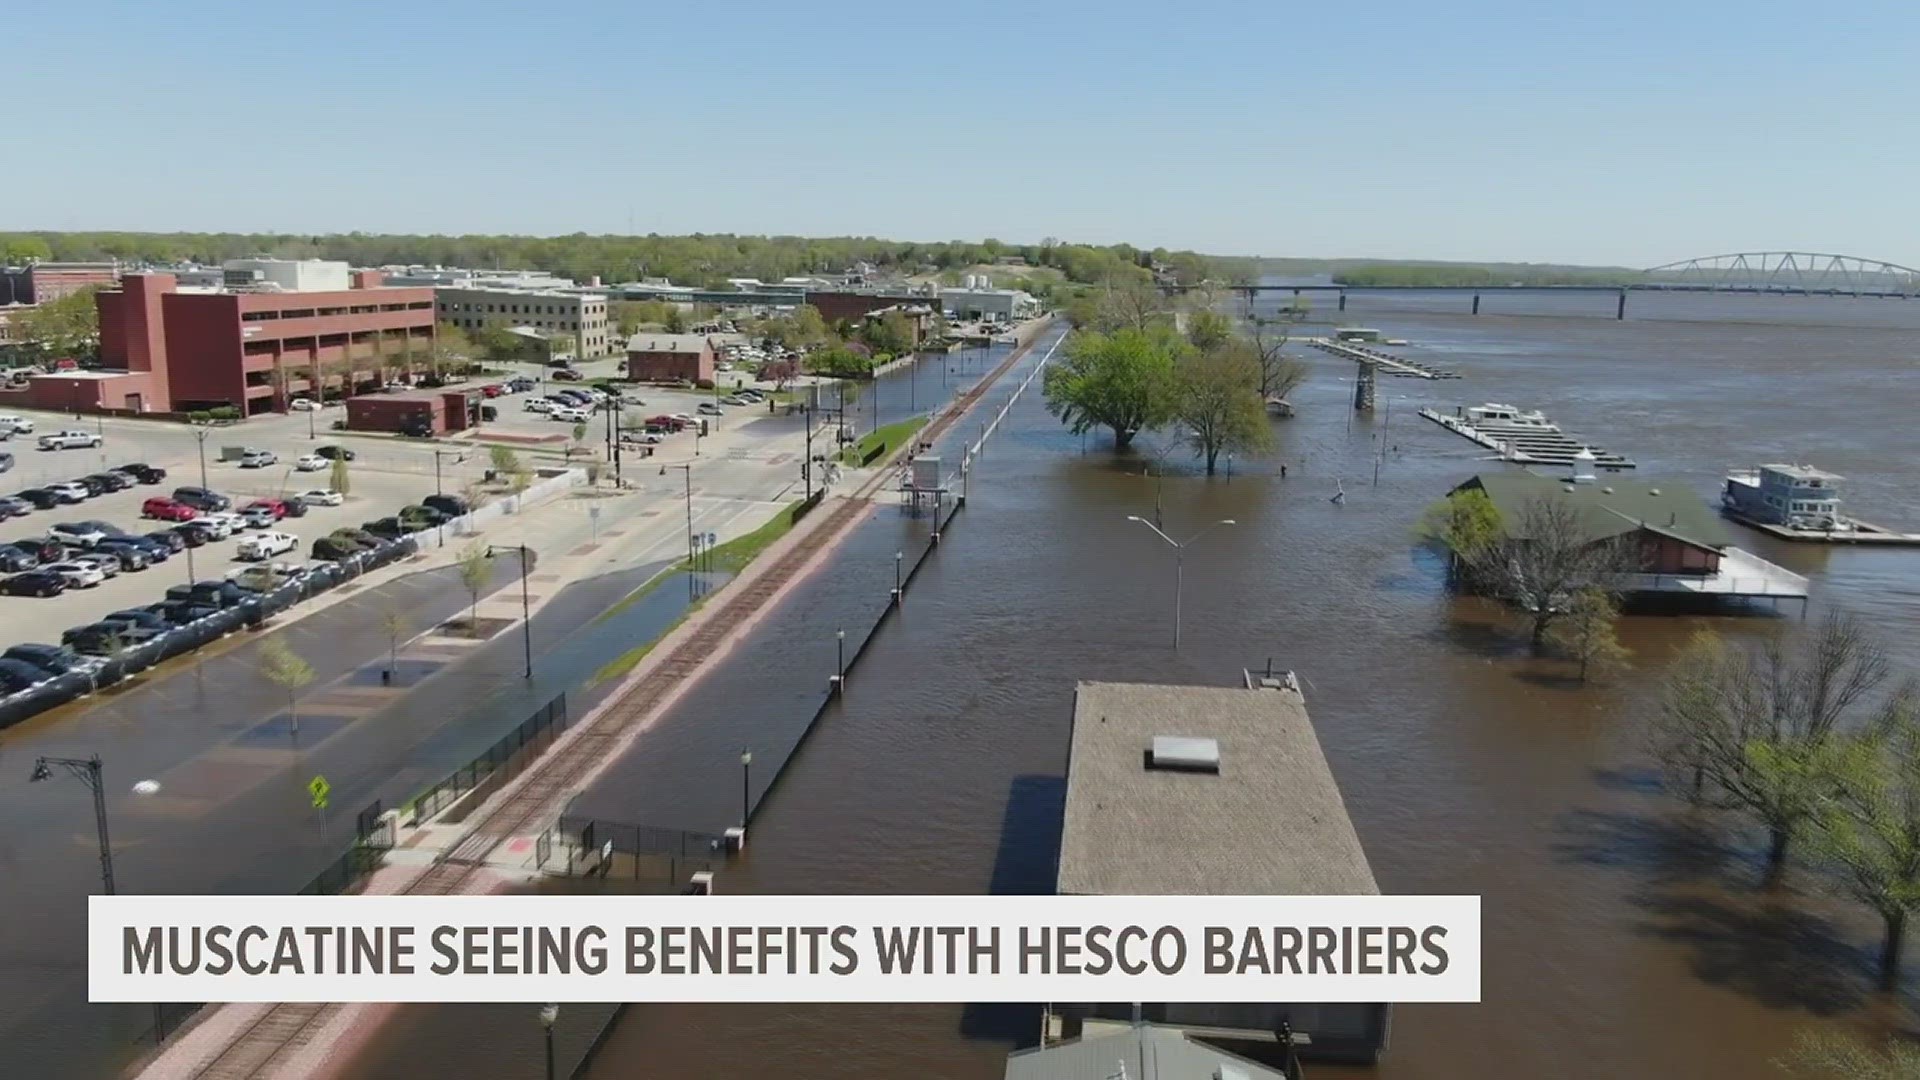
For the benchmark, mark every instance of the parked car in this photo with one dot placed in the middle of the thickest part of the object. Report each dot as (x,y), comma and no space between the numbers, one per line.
(41,498)
(161,508)
(202,499)
(492,390)
(157,550)
(97,485)
(568,375)
(71,491)
(708,408)
(6,461)
(258,517)
(131,556)
(309,463)
(263,577)
(69,440)
(140,617)
(734,399)
(321,497)
(76,534)
(223,594)
(538,405)
(175,541)
(78,575)
(265,546)
(450,505)
(569,414)
(334,453)
(44,550)
(302,404)
(108,565)
(46,581)
(194,533)
(110,480)
(257,459)
(107,527)
(277,507)
(55,658)
(213,526)
(487,413)
(16,425)
(146,474)
(13,560)
(359,538)
(13,506)
(387,528)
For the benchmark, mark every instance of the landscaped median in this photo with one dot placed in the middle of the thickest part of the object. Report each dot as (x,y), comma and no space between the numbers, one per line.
(881,442)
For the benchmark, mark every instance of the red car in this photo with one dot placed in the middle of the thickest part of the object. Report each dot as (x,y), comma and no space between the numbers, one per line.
(671,423)
(277,506)
(167,509)
(492,390)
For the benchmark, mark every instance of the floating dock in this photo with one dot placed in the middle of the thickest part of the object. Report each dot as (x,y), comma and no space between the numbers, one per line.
(1859,532)
(1525,438)
(1397,366)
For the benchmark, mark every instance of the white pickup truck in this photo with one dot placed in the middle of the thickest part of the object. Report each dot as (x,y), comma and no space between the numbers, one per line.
(69,440)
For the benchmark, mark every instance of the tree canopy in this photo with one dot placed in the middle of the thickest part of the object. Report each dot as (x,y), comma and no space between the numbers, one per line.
(1216,398)
(66,327)
(1122,381)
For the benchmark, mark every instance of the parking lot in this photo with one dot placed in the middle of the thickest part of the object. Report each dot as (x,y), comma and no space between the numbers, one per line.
(382,477)
(642,401)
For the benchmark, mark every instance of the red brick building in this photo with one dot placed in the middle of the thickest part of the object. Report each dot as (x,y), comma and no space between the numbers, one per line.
(40,283)
(837,306)
(438,411)
(255,350)
(665,357)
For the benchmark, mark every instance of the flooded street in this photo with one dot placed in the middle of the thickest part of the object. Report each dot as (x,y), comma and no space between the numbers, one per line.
(1623,937)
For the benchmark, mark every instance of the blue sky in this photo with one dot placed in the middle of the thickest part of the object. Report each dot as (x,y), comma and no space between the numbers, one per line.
(1628,133)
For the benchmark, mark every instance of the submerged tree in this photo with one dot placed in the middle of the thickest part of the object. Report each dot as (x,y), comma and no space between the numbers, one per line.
(1279,373)
(1216,399)
(1756,729)
(1122,381)
(1587,634)
(1466,524)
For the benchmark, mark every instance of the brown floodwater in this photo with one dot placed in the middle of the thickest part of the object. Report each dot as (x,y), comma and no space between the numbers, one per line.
(1624,936)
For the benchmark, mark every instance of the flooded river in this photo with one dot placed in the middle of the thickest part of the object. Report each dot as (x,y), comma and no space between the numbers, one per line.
(1623,937)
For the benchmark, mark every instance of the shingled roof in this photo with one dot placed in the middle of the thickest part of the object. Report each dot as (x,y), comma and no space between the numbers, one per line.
(1610,507)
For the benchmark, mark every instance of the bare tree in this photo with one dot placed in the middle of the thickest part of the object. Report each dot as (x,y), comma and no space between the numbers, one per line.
(395,623)
(1587,635)
(1545,557)
(1753,729)
(284,668)
(1279,373)
(1133,304)
(476,570)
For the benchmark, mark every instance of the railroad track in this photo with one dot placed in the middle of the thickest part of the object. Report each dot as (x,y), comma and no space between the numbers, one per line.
(545,785)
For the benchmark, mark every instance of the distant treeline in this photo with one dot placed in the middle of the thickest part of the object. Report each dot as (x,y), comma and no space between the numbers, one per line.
(703,260)
(1440,275)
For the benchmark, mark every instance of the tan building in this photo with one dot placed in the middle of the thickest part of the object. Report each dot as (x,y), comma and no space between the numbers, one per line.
(584,315)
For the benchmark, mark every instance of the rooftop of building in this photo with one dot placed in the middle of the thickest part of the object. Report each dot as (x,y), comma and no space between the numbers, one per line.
(667,343)
(1610,507)
(1270,821)
(1143,1052)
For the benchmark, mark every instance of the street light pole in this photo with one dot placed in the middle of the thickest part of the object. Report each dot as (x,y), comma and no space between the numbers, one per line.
(549,1014)
(746,802)
(1179,561)
(526,603)
(840,646)
(898,556)
(201,436)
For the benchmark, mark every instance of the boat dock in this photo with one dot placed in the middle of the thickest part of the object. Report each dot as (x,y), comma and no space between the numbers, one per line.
(1399,367)
(1526,438)
(1859,532)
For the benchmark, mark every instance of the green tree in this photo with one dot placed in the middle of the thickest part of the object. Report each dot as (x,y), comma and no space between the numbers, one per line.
(394,623)
(498,343)
(1868,830)
(284,668)
(839,362)
(1466,524)
(476,571)
(15,250)
(676,320)
(338,479)
(579,437)
(1755,729)
(1208,330)
(451,349)
(1122,381)
(66,327)
(1834,1056)
(891,333)
(1587,634)
(504,460)
(1217,400)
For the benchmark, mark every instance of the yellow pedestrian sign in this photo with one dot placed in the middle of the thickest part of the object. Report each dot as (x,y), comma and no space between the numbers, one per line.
(318,788)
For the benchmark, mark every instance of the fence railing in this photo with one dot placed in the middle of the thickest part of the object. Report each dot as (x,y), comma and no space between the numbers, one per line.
(502,759)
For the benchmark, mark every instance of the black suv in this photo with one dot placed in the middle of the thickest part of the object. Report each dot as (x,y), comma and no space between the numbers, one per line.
(387,528)
(55,658)
(146,474)
(202,499)
(13,559)
(34,583)
(334,453)
(216,593)
(41,498)
(450,505)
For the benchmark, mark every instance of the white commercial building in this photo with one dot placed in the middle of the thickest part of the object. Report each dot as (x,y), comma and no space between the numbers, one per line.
(582,315)
(996,305)
(286,275)
(461,277)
